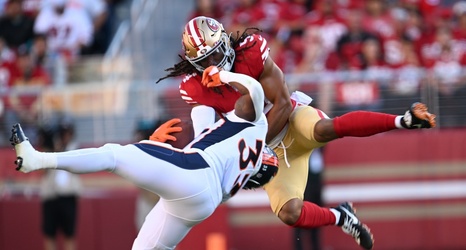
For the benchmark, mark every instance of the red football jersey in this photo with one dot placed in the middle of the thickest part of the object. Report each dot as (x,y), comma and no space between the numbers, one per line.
(250,58)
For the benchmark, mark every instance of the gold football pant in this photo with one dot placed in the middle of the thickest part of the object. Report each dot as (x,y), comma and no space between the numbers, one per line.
(298,143)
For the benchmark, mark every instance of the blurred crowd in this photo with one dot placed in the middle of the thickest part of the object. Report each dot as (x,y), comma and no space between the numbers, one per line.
(388,50)
(35,33)
(41,39)
(378,54)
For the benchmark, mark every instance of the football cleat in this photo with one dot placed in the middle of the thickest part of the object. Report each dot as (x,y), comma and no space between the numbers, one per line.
(23,147)
(350,224)
(418,117)
(17,135)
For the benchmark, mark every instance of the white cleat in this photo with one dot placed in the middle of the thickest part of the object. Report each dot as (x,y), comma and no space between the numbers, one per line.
(27,158)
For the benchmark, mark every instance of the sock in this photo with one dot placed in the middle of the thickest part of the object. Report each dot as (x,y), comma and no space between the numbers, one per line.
(337,214)
(87,160)
(399,122)
(364,123)
(48,160)
(314,216)
(39,160)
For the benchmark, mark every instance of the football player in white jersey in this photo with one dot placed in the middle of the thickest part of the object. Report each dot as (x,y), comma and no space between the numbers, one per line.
(192,182)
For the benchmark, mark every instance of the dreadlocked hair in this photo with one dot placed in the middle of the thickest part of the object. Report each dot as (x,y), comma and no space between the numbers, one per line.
(240,38)
(179,69)
(184,67)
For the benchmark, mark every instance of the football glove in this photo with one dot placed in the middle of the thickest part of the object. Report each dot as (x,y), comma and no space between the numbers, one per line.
(164,132)
(211,77)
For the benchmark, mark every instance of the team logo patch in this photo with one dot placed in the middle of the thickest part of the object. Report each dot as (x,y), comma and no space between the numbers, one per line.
(212,24)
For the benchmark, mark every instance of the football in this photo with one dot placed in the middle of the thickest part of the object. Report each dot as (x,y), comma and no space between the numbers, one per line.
(183,137)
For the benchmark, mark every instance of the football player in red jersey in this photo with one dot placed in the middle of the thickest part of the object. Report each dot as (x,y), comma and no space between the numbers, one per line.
(294,129)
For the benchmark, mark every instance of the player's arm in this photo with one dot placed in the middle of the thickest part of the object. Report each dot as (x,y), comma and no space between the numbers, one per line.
(202,117)
(276,91)
(250,105)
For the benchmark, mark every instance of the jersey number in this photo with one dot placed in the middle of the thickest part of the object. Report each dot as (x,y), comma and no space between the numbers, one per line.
(252,158)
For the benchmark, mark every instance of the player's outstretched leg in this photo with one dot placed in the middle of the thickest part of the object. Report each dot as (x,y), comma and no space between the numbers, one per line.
(350,224)
(27,159)
(418,117)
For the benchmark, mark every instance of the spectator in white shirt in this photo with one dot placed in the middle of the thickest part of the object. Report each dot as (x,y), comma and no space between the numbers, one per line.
(68,30)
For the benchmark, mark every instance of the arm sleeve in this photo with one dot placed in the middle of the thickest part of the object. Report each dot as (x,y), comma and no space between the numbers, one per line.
(202,117)
(254,87)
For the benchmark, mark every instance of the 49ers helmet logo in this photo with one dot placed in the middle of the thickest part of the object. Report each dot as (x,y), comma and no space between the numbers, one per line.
(212,24)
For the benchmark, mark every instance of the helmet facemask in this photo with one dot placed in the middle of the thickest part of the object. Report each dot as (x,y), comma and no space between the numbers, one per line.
(221,47)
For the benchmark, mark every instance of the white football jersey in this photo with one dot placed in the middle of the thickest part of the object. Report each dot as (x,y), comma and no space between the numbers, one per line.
(233,148)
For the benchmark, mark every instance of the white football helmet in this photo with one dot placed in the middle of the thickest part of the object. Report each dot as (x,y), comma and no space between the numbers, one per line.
(267,170)
(206,43)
